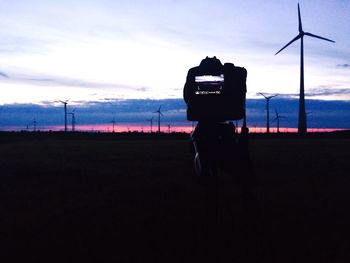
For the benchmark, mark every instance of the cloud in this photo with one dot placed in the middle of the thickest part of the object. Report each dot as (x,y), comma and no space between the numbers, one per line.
(55,81)
(327,91)
(324,114)
(61,81)
(143,89)
(343,66)
(324,91)
(2,74)
(280,95)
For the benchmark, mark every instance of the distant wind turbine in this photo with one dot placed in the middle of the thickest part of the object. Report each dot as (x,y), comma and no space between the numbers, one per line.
(169,127)
(267,110)
(159,114)
(151,123)
(113,123)
(73,119)
(65,113)
(34,123)
(302,126)
(278,117)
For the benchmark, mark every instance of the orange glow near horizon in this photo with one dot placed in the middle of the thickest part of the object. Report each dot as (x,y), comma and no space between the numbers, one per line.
(131,128)
(164,129)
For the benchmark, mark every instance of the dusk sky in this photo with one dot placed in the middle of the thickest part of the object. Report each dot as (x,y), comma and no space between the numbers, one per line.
(89,50)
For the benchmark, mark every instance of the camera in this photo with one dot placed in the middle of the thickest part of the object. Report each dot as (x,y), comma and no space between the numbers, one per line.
(215,92)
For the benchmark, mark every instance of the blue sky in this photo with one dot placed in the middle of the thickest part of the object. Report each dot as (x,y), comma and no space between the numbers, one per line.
(110,50)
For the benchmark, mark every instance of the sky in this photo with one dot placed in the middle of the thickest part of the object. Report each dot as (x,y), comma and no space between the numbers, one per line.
(91,51)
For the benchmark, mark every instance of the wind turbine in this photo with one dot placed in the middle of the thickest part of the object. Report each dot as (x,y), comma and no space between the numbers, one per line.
(34,123)
(151,123)
(159,114)
(278,117)
(267,110)
(113,123)
(169,127)
(65,113)
(302,126)
(73,119)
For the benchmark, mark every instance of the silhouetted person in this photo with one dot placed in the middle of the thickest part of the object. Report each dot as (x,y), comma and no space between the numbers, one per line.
(214,93)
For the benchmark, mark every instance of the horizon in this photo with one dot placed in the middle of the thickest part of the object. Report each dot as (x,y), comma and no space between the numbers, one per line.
(144,129)
(137,113)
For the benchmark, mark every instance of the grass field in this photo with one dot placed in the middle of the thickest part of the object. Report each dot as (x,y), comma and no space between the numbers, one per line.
(105,198)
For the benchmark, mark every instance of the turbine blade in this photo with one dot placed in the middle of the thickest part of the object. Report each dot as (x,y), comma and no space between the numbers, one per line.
(262,94)
(294,39)
(299,17)
(312,35)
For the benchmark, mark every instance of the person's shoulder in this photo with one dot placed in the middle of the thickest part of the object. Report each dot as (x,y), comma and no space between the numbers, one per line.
(194,69)
(192,72)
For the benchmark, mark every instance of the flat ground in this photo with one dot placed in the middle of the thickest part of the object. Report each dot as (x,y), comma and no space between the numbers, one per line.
(102,198)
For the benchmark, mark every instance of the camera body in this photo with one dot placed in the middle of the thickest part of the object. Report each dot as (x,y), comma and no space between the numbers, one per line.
(215,92)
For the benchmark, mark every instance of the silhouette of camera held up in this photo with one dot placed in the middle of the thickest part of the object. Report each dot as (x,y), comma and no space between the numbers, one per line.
(214,92)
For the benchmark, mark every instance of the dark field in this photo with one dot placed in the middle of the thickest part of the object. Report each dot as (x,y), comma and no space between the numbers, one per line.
(104,198)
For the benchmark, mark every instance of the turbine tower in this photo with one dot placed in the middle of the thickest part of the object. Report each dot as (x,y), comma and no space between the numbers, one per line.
(151,123)
(65,113)
(278,117)
(169,127)
(113,123)
(159,114)
(34,125)
(267,110)
(73,119)
(302,126)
